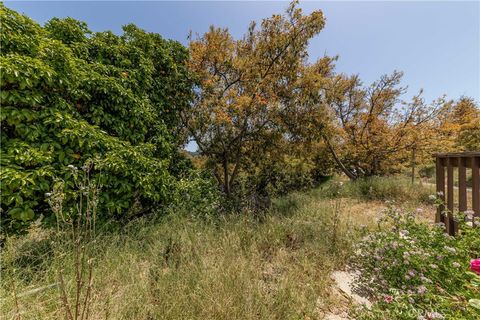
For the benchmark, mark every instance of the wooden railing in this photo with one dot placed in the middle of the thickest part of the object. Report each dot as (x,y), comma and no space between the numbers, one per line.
(463,162)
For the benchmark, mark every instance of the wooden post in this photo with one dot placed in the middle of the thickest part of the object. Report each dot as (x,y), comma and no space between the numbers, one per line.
(462,185)
(476,186)
(440,170)
(450,222)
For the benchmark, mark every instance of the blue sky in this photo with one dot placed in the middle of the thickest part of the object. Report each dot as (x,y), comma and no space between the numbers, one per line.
(436,44)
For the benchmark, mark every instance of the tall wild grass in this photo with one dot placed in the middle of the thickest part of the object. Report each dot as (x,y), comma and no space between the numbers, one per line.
(274,265)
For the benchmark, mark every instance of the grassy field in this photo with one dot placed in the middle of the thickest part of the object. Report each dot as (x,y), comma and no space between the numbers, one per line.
(270,266)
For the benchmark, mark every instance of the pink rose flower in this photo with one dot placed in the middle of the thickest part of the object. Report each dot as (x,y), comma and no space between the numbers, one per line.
(388,299)
(475,265)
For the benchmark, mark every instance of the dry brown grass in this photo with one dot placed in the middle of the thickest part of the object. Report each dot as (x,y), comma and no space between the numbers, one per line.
(182,268)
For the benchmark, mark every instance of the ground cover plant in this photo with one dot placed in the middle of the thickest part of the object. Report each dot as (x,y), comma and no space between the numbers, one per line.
(416,271)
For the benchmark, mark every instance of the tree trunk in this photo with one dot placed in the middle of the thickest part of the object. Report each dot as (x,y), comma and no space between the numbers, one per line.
(344,169)
(226,185)
(414,160)
(234,173)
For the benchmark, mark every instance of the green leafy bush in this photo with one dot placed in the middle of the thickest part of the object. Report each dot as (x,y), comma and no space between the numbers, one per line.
(199,195)
(416,271)
(69,96)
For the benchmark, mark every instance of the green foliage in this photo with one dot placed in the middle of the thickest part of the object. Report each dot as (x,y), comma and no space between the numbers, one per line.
(289,173)
(200,195)
(67,30)
(278,173)
(416,271)
(69,96)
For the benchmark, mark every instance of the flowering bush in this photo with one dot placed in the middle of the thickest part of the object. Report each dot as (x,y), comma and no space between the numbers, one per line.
(416,271)
(475,265)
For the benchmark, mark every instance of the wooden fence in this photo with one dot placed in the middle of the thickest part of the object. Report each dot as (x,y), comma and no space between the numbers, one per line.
(462,162)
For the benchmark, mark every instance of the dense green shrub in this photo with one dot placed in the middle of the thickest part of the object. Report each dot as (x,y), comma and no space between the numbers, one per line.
(69,96)
(416,271)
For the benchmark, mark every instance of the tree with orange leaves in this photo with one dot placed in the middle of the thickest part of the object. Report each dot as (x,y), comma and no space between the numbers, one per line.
(376,132)
(459,125)
(241,107)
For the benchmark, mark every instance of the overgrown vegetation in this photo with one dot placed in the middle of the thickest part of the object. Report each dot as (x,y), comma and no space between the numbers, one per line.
(250,226)
(274,266)
(266,120)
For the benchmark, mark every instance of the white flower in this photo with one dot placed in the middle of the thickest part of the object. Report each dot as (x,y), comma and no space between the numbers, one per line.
(456,264)
(469,213)
(435,315)
(421,290)
(48,194)
(450,249)
(432,197)
(403,234)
